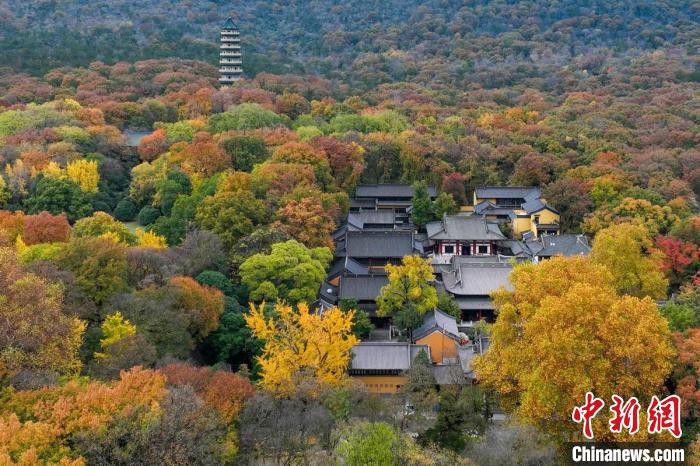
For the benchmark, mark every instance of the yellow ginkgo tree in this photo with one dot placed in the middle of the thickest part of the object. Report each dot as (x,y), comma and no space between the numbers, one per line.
(299,341)
(409,294)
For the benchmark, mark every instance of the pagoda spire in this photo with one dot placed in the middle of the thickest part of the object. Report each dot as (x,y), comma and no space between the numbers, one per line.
(230,67)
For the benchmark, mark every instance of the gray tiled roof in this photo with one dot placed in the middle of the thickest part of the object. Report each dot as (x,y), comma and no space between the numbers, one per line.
(477,279)
(385,355)
(368,244)
(474,303)
(449,374)
(380,216)
(496,192)
(361,287)
(346,264)
(488,208)
(535,205)
(464,227)
(437,319)
(559,245)
(389,190)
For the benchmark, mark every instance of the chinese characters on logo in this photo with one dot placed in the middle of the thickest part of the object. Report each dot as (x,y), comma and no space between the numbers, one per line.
(662,415)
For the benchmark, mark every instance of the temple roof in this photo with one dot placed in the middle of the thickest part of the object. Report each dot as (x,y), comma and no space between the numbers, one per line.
(463,227)
(229,24)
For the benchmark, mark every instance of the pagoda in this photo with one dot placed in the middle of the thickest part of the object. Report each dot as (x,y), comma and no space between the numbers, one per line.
(230,66)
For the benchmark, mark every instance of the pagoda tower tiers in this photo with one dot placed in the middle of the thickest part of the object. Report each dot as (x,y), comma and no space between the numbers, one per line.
(230,66)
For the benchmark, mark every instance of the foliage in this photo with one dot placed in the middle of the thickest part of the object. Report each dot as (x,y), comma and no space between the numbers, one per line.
(291,272)
(367,443)
(244,117)
(245,151)
(45,228)
(422,211)
(231,215)
(569,312)
(85,174)
(103,224)
(223,391)
(59,413)
(36,335)
(679,317)
(409,294)
(627,252)
(307,221)
(298,340)
(99,265)
(203,304)
(58,196)
(114,328)
(447,304)
(148,239)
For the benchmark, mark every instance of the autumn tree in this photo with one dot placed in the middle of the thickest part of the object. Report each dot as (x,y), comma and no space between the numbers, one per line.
(292,105)
(37,337)
(301,341)
(685,373)
(58,196)
(85,174)
(628,253)
(305,154)
(656,219)
(681,259)
(223,391)
(203,304)
(121,348)
(103,224)
(570,315)
(45,228)
(454,184)
(346,160)
(307,221)
(99,265)
(409,294)
(290,272)
(231,215)
(152,145)
(62,413)
(203,156)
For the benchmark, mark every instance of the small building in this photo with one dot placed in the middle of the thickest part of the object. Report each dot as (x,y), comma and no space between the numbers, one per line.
(472,280)
(230,64)
(375,249)
(377,220)
(462,235)
(439,331)
(397,197)
(547,246)
(364,289)
(522,207)
(381,366)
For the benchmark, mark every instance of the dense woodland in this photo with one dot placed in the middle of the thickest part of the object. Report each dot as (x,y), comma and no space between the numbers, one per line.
(146,293)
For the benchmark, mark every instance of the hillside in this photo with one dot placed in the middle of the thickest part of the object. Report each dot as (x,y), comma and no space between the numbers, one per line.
(365,43)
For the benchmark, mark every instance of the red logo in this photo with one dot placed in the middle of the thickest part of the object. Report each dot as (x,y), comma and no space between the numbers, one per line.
(587,412)
(662,415)
(625,415)
(665,415)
